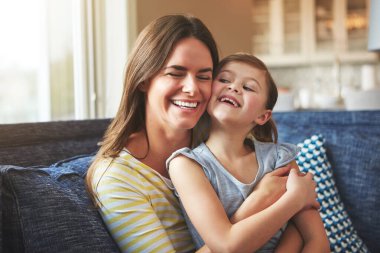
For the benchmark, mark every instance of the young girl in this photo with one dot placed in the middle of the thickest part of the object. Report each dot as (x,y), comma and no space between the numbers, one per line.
(216,178)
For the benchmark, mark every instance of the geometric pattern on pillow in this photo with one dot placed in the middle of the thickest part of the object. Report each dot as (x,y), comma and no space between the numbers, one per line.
(340,231)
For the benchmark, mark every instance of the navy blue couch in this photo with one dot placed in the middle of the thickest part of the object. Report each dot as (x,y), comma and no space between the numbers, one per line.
(44,206)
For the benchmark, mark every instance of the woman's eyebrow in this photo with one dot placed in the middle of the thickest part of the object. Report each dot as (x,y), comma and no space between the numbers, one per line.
(177,67)
(205,70)
(181,68)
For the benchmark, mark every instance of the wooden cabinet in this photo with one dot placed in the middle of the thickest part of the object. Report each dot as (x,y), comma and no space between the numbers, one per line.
(294,32)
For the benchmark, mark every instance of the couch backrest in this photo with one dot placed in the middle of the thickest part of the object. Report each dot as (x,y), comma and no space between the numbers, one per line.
(353,145)
(44,143)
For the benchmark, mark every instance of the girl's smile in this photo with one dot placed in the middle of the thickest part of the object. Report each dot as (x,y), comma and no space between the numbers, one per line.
(239,95)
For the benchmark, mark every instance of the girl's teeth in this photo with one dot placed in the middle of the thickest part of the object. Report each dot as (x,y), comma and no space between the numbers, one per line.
(229,100)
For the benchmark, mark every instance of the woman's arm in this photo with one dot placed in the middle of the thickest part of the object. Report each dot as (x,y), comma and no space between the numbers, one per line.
(290,241)
(310,225)
(200,199)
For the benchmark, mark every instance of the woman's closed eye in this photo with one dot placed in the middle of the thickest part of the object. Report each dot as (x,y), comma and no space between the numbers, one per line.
(204,77)
(175,74)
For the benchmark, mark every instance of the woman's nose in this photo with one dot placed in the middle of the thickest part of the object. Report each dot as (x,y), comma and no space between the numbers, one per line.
(190,85)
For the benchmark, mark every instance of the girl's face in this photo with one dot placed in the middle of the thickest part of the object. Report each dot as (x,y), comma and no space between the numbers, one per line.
(239,95)
(178,94)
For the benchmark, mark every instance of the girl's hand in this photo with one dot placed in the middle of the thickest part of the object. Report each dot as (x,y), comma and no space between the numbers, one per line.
(302,187)
(270,188)
(273,185)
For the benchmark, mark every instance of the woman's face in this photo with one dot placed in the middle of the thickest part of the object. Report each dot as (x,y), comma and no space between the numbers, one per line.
(178,94)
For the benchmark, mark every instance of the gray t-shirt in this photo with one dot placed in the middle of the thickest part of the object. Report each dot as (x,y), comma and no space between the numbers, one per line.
(231,191)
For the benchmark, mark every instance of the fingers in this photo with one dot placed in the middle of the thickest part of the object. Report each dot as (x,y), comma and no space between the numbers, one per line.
(316,204)
(283,171)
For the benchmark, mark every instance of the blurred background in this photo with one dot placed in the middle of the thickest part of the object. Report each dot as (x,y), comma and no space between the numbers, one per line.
(62,59)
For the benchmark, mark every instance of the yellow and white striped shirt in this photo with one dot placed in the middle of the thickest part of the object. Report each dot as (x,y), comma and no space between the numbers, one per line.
(139,207)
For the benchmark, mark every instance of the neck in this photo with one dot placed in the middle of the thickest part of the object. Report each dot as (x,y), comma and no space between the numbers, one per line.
(227,142)
(161,145)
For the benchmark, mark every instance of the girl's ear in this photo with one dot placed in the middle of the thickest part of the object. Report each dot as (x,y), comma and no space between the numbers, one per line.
(263,118)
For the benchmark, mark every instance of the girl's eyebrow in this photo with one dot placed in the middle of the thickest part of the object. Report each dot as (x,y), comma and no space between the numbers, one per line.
(250,78)
(253,79)
(181,68)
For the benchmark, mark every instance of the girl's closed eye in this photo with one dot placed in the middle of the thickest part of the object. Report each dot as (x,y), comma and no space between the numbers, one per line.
(249,88)
(223,80)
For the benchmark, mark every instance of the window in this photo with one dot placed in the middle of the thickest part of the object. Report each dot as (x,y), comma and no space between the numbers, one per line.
(62,59)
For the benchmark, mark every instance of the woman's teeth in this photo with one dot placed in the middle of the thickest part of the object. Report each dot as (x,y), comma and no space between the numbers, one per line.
(185,104)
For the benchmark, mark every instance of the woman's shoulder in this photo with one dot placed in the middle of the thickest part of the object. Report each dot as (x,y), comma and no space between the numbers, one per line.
(119,168)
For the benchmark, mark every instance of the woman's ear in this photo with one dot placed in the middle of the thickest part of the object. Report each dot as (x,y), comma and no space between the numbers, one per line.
(263,118)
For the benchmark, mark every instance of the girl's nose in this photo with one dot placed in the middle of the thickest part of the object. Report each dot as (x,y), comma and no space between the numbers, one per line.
(233,87)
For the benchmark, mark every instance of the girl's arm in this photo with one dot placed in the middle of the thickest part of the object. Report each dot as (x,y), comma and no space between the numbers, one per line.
(310,225)
(268,191)
(270,188)
(265,193)
(199,199)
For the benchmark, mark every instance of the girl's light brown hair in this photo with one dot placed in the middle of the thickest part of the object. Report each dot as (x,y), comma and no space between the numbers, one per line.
(268,131)
(152,48)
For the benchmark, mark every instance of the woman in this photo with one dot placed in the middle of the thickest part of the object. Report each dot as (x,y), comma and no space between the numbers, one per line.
(166,89)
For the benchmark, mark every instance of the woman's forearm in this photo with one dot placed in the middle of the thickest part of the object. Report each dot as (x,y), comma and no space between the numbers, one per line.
(290,241)
(310,225)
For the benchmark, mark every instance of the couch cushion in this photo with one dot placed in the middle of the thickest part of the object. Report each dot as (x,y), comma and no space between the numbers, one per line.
(340,231)
(48,210)
(352,146)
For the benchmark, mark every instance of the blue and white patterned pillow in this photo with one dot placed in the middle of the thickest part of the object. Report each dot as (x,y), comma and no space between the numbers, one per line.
(340,231)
